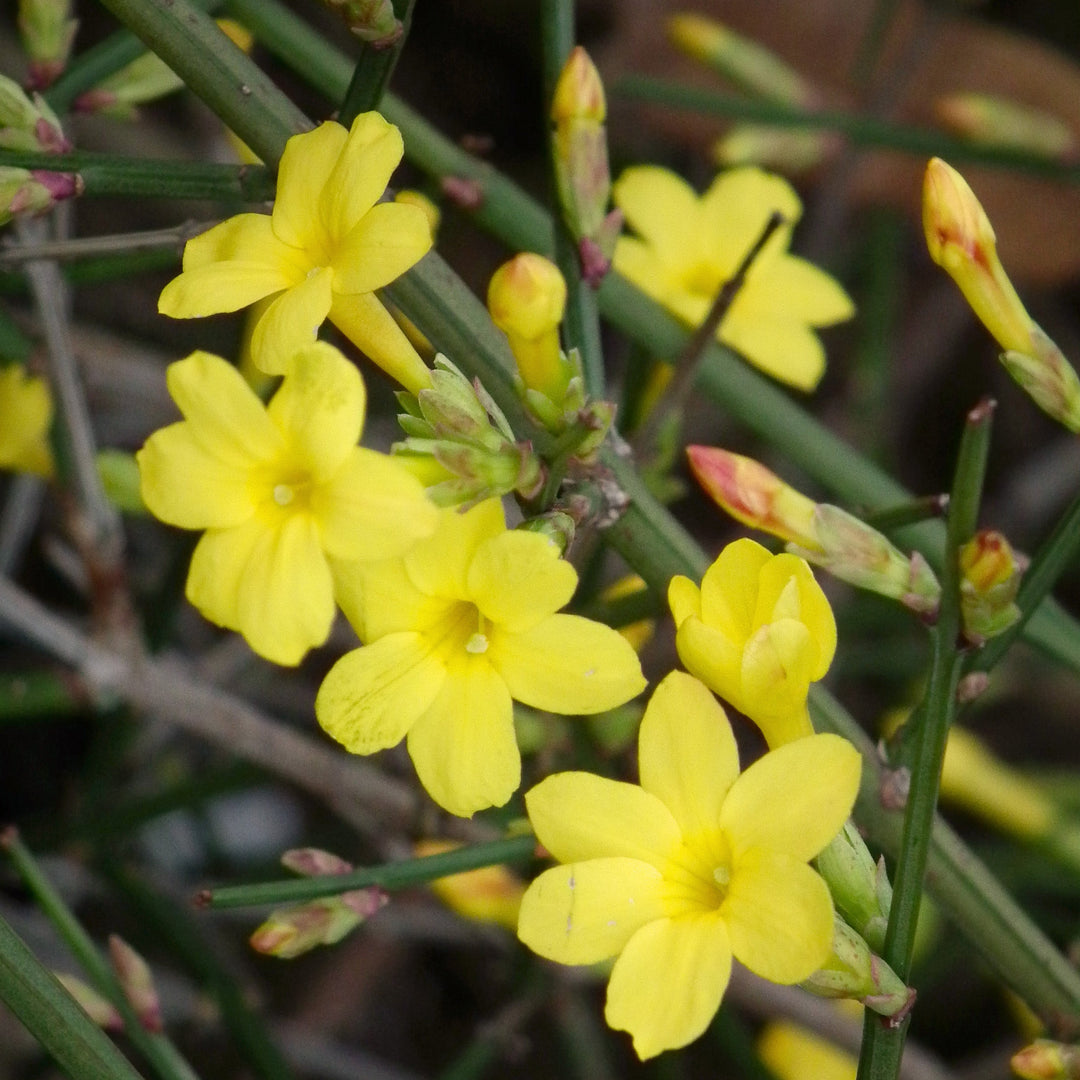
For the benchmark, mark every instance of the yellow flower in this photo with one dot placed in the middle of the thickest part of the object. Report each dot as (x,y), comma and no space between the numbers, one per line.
(689,245)
(278,489)
(323,251)
(695,866)
(457,629)
(792,1053)
(25,415)
(757,632)
(491,894)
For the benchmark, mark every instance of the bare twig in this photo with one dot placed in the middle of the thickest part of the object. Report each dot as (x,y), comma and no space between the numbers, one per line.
(13,256)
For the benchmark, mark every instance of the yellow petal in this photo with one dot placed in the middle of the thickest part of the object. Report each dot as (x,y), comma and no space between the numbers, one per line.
(221,287)
(373,695)
(578,816)
(217,567)
(813,608)
(285,605)
(729,589)
(379,598)
(780,916)
(305,167)
(776,669)
(185,484)
(319,409)
(712,658)
(389,239)
(567,664)
(463,746)
(782,347)
(360,175)
(223,412)
(687,755)
(586,912)
(363,319)
(440,564)
(244,238)
(291,322)
(781,726)
(372,508)
(517,579)
(669,981)
(792,1052)
(794,799)
(806,293)
(684,599)
(660,206)
(639,263)
(735,209)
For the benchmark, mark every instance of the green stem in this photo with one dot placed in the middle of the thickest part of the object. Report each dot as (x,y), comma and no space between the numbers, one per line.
(373,69)
(857,129)
(81,1049)
(159,1052)
(399,875)
(883,1045)
(232,85)
(581,323)
(110,174)
(37,695)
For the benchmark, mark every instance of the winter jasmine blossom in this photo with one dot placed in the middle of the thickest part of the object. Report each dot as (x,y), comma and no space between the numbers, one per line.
(278,489)
(328,244)
(25,415)
(757,632)
(688,245)
(696,866)
(454,632)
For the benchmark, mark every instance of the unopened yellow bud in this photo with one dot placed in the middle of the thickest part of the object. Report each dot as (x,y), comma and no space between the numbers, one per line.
(579,93)
(752,494)
(526,298)
(1045,1059)
(488,895)
(743,61)
(419,199)
(961,241)
(990,573)
(972,777)
(996,121)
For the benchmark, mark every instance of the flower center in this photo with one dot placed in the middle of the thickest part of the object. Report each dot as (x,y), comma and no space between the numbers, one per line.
(704,279)
(283,491)
(283,494)
(698,875)
(461,630)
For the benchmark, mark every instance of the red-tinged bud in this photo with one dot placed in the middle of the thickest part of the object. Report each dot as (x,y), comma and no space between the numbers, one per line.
(137,982)
(314,862)
(34,191)
(990,573)
(47,31)
(996,121)
(100,1010)
(1045,1059)
(754,495)
(28,123)
(464,193)
(292,931)
(1049,379)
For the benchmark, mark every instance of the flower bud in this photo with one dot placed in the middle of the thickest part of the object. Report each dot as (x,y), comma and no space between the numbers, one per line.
(961,240)
(526,298)
(783,149)
(47,31)
(34,191)
(491,894)
(996,121)
(372,21)
(137,982)
(1049,379)
(314,862)
(121,480)
(860,887)
(100,1010)
(744,62)
(853,971)
(990,573)
(556,525)
(292,931)
(419,199)
(579,93)
(28,124)
(1045,1059)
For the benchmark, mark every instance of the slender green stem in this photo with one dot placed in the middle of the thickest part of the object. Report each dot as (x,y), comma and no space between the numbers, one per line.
(374,68)
(857,129)
(581,323)
(883,1045)
(890,518)
(399,875)
(81,1049)
(159,1052)
(110,174)
(232,85)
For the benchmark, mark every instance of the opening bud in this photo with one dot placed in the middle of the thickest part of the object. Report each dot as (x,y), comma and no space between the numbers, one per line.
(996,121)
(990,573)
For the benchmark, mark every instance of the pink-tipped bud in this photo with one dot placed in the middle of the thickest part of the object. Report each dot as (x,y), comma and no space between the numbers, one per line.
(100,1010)
(961,241)
(990,573)
(137,982)
(1045,1059)
(28,123)
(34,191)
(47,31)
(292,931)
(314,862)
(754,495)
(996,121)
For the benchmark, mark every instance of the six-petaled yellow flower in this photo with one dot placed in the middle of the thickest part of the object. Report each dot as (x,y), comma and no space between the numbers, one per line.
(278,489)
(688,245)
(757,632)
(455,631)
(328,244)
(25,415)
(694,867)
